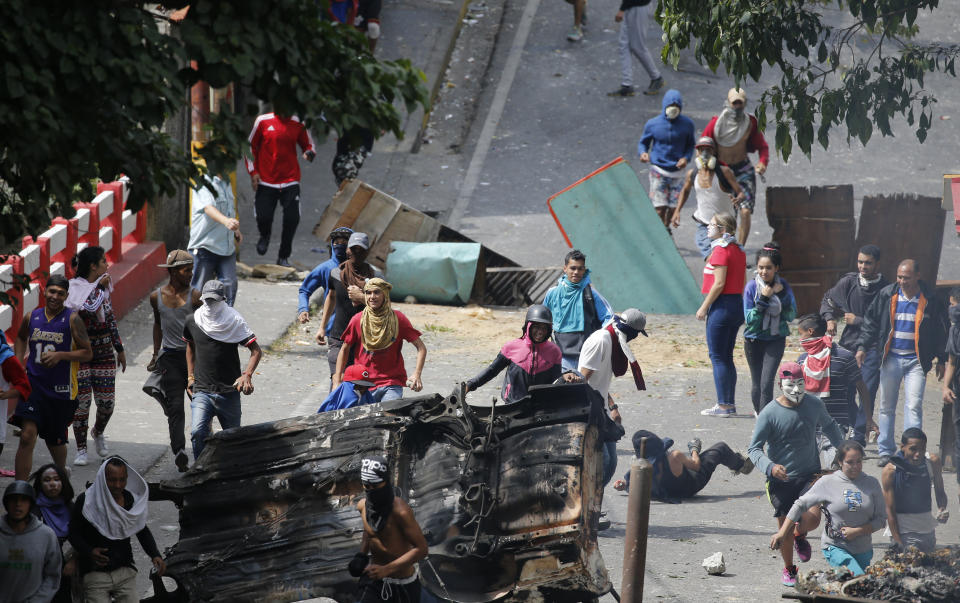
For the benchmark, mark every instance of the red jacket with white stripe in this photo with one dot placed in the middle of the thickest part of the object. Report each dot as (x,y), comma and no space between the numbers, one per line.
(273,143)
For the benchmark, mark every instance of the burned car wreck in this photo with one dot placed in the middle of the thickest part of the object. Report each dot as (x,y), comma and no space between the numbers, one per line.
(508,497)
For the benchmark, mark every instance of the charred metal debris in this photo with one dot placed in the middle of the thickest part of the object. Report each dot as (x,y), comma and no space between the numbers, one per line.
(508,497)
(900,577)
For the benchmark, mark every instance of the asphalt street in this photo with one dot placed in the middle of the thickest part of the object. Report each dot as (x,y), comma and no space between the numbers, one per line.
(551,124)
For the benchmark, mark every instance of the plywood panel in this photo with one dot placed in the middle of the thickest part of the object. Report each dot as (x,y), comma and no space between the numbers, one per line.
(815,228)
(904,226)
(609,217)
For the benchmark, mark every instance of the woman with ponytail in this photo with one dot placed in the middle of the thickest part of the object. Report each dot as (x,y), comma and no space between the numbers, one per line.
(89,296)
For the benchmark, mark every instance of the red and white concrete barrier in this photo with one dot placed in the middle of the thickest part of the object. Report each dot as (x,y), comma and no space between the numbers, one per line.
(103,221)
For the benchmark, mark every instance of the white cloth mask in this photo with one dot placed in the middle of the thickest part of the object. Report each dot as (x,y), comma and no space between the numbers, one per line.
(672,112)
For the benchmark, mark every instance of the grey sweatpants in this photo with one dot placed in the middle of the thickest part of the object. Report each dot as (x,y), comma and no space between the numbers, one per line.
(633,41)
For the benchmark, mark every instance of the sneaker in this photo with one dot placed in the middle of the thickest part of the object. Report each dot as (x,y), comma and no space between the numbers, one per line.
(262,245)
(100,441)
(81,460)
(623,91)
(747,465)
(789,577)
(654,87)
(695,444)
(284,262)
(719,410)
(576,35)
(182,461)
(802,546)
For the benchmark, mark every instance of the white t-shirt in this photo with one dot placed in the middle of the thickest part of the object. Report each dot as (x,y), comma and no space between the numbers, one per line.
(596,355)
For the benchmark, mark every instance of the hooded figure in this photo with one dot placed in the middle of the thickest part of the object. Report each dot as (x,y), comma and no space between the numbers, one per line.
(655,452)
(319,277)
(527,362)
(667,139)
(29,551)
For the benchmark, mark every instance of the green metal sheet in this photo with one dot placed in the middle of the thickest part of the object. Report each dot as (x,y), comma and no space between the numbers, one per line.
(440,273)
(632,259)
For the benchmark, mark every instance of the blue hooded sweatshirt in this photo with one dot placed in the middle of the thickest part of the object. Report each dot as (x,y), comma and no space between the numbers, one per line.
(667,140)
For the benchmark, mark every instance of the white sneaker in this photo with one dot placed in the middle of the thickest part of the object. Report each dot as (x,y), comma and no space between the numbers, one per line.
(81,460)
(101,442)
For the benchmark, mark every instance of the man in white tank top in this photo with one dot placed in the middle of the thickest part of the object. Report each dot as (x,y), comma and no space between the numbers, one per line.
(715,195)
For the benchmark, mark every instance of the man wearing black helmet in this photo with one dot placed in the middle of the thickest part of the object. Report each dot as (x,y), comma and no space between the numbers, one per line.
(529,360)
(29,551)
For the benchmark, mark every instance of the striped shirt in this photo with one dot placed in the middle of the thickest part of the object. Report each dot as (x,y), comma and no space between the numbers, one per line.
(841,401)
(904,333)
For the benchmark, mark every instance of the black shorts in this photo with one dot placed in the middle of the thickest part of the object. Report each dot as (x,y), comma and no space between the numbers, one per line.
(782,495)
(52,415)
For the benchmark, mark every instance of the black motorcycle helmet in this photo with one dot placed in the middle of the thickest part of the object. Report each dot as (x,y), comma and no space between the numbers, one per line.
(19,488)
(538,313)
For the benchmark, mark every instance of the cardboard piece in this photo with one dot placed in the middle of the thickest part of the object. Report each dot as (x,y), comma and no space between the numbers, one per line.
(633,260)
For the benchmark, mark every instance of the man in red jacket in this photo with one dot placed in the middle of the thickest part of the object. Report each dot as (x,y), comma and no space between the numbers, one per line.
(275,176)
(737,135)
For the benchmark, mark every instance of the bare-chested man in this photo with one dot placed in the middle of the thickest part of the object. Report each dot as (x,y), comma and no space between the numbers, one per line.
(392,540)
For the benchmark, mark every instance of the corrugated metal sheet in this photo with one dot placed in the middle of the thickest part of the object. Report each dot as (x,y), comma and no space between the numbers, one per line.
(633,260)
(508,499)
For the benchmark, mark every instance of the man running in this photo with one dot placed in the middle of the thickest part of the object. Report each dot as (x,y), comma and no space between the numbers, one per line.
(392,542)
(738,135)
(791,461)
(172,304)
(53,341)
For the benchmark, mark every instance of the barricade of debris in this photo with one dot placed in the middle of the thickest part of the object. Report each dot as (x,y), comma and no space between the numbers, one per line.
(508,497)
(904,577)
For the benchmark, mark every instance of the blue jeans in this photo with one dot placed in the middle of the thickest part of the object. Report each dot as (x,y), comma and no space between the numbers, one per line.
(895,369)
(870,371)
(208,266)
(703,241)
(838,557)
(723,322)
(205,406)
(386,393)
(609,461)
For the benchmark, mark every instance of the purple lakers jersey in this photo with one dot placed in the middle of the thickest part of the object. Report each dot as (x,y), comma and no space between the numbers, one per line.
(59,381)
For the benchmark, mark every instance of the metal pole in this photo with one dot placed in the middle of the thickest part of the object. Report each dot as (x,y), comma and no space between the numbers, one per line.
(638,519)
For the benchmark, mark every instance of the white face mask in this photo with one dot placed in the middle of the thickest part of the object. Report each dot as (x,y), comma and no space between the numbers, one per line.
(713,231)
(672,112)
(793,389)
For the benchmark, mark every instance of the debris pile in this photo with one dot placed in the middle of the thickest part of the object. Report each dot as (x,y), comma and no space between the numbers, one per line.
(904,577)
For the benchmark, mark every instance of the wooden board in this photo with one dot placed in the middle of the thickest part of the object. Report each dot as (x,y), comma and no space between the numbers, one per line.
(816,231)
(904,226)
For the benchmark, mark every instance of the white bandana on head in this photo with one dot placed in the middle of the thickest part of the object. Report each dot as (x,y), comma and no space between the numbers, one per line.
(79,298)
(109,518)
(221,322)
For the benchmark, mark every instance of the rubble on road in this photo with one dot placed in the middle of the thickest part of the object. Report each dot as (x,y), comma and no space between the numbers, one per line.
(906,577)
(714,564)
(508,498)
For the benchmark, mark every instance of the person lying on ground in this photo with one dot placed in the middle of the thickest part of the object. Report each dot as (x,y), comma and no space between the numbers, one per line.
(906,480)
(677,475)
(852,504)
(528,360)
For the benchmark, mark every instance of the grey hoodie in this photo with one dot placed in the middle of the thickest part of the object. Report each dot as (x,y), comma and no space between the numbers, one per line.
(29,563)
